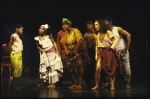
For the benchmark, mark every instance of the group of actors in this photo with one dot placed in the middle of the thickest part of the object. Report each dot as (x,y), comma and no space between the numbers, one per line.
(102,47)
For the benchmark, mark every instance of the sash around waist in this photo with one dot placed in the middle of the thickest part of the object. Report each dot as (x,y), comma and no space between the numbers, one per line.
(52,49)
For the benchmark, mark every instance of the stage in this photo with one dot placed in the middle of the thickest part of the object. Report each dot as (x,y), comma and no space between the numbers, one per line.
(29,89)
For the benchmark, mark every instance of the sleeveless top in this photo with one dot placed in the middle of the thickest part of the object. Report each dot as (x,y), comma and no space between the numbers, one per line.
(120,44)
(17,45)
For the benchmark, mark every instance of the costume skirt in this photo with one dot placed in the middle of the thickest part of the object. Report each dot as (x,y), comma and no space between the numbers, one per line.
(16,62)
(49,59)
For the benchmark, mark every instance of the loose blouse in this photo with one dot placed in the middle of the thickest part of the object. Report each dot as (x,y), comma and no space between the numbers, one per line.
(46,43)
(105,40)
(71,39)
(17,45)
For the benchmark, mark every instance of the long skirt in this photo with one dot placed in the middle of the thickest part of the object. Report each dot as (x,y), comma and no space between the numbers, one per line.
(52,61)
(16,62)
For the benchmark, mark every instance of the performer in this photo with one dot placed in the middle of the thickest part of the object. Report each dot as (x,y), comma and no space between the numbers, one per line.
(90,43)
(15,50)
(61,50)
(75,49)
(105,54)
(50,63)
(5,59)
(122,48)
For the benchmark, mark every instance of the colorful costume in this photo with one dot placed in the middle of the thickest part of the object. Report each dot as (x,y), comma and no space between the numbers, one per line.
(109,58)
(74,63)
(124,57)
(16,55)
(49,59)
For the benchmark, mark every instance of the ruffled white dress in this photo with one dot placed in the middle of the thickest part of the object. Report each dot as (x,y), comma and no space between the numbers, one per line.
(49,58)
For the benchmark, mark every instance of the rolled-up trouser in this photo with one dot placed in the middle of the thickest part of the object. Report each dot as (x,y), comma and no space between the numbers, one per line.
(125,65)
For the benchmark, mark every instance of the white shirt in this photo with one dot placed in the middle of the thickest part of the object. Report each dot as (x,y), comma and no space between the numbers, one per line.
(17,45)
(120,44)
(46,43)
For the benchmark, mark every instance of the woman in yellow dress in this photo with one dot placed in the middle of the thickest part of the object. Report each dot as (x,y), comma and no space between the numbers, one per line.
(73,41)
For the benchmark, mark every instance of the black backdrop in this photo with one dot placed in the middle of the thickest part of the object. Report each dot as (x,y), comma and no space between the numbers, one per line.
(129,14)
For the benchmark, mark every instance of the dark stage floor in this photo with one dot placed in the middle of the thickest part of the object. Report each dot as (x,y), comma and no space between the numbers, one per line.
(30,89)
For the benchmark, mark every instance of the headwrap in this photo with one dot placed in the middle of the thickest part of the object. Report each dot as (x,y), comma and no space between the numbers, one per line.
(46,26)
(66,21)
(110,21)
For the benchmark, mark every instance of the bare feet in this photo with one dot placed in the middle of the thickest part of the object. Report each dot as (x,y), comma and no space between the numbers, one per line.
(40,85)
(95,88)
(43,84)
(102,86)
(112,89)
(79,87)
(128,87)
(51,86)
(73,86)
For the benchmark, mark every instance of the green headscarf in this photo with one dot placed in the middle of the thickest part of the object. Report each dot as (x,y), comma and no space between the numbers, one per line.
(66,21)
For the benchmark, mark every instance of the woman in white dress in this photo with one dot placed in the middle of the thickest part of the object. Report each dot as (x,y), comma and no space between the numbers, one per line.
(50,63)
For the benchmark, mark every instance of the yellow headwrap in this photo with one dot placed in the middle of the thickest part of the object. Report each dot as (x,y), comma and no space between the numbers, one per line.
(66,21)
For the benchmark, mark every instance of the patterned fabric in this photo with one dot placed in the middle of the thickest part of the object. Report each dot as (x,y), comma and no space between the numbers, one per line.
(74,63)
(66,21)
(71,39)
(109,60)
(53,61)
(16,61)
(49,59)
(104,40)
(125,65)
(64,60)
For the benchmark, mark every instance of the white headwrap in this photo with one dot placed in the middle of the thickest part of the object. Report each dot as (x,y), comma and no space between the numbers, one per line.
(46,26)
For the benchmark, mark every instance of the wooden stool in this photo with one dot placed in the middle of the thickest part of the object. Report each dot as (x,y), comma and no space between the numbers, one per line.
(5,59)
(7,65)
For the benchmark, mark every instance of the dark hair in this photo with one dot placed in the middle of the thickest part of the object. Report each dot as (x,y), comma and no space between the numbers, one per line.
(49,30)
(18,26)
(107,26)
(103,28)
(107,18)
(89,22)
